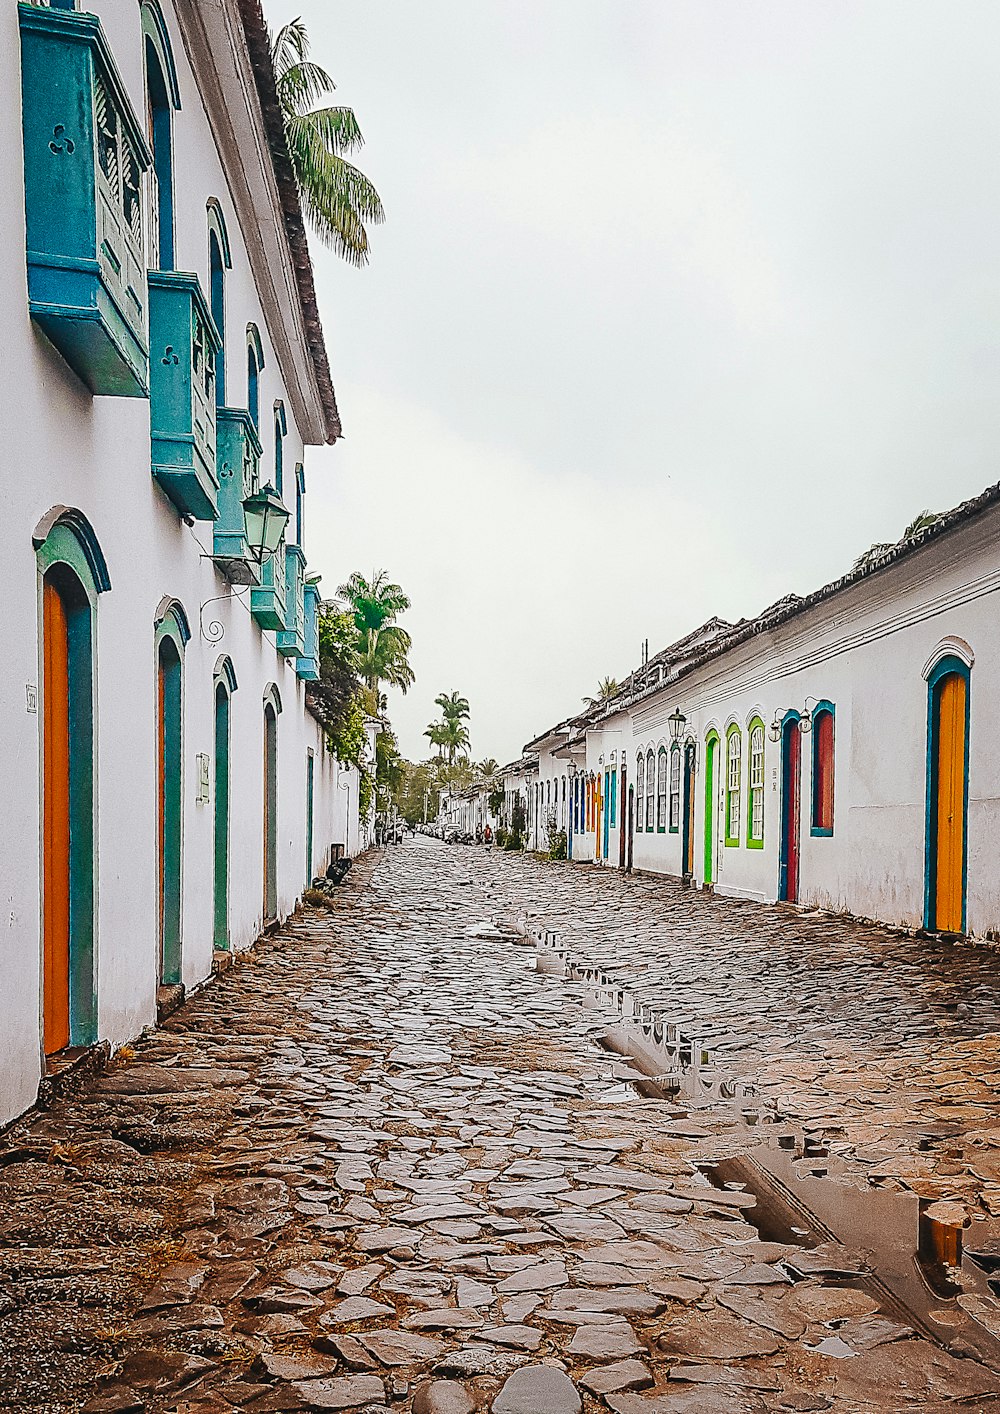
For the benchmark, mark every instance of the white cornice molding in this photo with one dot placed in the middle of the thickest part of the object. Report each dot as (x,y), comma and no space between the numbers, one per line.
(216,49)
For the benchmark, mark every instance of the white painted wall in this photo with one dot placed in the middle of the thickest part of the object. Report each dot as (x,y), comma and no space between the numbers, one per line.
(865,650)
(66,447)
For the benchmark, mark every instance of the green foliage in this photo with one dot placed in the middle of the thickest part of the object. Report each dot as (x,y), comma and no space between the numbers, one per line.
(416,780)
(381,645)
(389,768)
(454,707)
(337,198)
(366,795)
(557,843)
(495,800)
(501,837)
(607,689)
(518,823)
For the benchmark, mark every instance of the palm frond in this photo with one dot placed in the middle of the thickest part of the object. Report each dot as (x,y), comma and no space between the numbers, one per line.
(301,85)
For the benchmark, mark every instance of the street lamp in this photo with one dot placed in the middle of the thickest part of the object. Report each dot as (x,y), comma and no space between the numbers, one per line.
(676,722)
(265,517)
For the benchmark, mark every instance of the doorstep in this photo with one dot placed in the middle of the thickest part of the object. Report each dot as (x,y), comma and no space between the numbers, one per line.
(169,996)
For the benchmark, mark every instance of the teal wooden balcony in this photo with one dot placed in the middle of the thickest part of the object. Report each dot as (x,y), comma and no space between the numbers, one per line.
(290,640)
(238,453)
(84,156)
(183,345)
(307,666)
(268,600)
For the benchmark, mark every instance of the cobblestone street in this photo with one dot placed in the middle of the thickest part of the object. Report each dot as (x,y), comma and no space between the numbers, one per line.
(384,1163)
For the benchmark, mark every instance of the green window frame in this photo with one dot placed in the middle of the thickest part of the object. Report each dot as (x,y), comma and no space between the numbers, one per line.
(756,737)
(734,780)
(640,792)
(661,790)
(675,788)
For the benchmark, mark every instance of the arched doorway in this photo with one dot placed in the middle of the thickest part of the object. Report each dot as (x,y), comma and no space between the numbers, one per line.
(711,818)
(947,796)
(169,798)
(689,787)
(272,706)
(791,797)
(72,575)
(67,753)
(310,811)
(220,927)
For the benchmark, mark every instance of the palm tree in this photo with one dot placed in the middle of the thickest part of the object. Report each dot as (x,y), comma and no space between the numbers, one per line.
(382,657)
(607,688)
(383,646)
(437,733)
(373,602)
(918,524)
(336,196)
(450,737)
(454,707)
(488,770)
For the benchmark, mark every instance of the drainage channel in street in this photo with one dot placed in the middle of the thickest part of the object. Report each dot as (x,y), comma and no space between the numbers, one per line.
(922,1261)
(925,1264)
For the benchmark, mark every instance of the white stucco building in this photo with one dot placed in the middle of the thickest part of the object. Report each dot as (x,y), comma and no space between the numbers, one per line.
(168,792)
(837,751)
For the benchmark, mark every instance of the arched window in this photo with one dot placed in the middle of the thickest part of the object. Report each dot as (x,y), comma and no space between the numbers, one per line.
(822,769)
(661,789)
(300,504)
(675,788)
(162,97)
(650,788)
(255,362)
(219,261)
(280,429)
(734,774)
(755,819)
(640,790)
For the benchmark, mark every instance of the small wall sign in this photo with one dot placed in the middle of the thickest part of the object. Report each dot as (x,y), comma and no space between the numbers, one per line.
(31,697)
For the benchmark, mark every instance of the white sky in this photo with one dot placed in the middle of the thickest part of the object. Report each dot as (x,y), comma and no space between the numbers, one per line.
(680,305)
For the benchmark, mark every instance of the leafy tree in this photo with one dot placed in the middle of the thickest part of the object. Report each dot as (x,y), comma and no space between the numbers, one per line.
(419,782)
(607,688)
(337,198)
(456,739)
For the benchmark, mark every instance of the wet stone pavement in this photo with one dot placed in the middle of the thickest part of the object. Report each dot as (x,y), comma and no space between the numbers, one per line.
(392,1162)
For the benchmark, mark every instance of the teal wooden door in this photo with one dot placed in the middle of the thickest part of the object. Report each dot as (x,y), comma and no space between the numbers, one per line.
(270,812)
(169,763)
(221,918)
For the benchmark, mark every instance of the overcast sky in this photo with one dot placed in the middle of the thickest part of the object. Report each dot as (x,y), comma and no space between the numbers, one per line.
(679,306)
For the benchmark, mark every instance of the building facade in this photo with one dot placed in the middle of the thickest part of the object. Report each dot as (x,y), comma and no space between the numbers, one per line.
(168,790)
(835,752)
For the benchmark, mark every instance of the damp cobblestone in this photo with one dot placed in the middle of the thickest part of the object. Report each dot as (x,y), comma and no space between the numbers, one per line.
(384,1164)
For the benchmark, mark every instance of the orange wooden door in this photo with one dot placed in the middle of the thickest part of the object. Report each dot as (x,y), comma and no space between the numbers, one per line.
(55,825)
(949,864)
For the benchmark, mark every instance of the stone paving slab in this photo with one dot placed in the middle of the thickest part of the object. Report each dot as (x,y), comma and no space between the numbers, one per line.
(363,1163)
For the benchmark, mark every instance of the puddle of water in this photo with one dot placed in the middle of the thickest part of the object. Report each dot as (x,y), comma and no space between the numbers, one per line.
(887,1242)
(923,1270)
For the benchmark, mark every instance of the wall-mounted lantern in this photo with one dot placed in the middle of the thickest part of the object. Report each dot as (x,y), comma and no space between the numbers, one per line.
(676,722)
(266,517)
